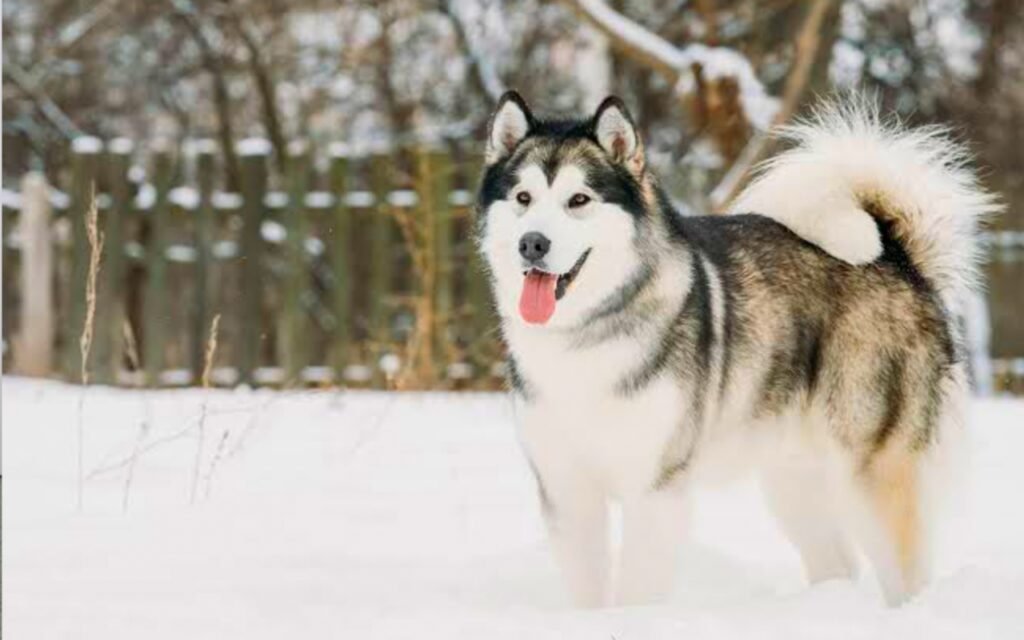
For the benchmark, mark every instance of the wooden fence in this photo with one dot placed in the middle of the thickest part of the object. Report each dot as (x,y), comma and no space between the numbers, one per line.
(327,268)
(349,269)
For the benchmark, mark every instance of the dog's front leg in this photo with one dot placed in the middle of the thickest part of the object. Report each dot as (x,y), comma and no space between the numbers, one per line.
(577,520)
(652,535)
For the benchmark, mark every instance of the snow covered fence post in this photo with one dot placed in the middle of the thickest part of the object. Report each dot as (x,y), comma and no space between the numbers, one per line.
(294,329)
(109,307)
(205,167)
(340,230)
(84,152)
(155,300)
(380,278)
(33,353)
(253,153)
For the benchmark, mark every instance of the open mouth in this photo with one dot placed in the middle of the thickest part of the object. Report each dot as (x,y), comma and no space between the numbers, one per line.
(541,290)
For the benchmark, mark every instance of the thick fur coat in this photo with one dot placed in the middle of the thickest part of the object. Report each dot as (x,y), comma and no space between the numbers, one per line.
(813,336)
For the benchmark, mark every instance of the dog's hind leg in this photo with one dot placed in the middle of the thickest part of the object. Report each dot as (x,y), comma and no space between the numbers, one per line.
(890,522)
(799,493)
(652,536)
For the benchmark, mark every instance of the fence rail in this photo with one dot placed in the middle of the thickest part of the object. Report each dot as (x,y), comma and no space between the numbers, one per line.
(332,269)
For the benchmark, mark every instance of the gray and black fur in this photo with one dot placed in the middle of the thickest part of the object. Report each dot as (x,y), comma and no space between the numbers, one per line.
(772,326)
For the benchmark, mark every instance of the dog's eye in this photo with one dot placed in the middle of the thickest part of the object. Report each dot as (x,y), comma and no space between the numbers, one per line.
(523,198)
(578,200)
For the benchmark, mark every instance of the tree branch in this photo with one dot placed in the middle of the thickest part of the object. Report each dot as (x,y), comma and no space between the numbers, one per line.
(264,86)
(631,39)
(482,75)
(46,106)
(807,48)
(696,69)
(186,12)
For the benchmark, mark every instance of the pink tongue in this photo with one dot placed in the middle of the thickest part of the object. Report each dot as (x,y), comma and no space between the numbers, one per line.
(537,302)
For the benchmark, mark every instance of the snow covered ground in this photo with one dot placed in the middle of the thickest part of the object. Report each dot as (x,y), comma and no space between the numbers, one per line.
(371,515)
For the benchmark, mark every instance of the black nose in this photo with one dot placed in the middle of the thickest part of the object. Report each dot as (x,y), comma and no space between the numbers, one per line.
(533,246)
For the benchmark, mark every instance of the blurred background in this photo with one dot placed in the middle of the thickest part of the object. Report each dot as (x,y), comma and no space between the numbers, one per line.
(284,189)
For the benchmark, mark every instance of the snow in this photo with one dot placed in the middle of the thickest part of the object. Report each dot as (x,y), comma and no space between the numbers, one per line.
(59,199)
(86,145)
(10,199)
(978,330)
(637,36)
(489,77)
(182,253)
(460,198)
(224,249)
(359,199)
(275,200)
(716,62)
(720,62)
(226,200)
(254,147)
(847,65)
(121,146)
(273,231)
(357,514)
(944,24)
(339,150)
(146,197)
(314,246)
(319,200)
(403,198)
(200,146)
(594,55)
(298,147)
(184,197)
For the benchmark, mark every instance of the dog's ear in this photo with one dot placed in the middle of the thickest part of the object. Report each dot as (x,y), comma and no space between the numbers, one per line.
(510,123)
(617,135)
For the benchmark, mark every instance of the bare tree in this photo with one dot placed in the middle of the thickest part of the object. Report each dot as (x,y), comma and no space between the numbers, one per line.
(808,47)
(212,62)
(262,75)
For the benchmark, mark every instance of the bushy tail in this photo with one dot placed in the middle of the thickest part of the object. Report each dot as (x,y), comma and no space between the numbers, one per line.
(848,165)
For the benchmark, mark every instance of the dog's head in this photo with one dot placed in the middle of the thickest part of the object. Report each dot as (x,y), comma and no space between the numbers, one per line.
(561,205)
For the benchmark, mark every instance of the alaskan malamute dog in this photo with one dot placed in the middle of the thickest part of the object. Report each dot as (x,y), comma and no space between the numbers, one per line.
(816,332)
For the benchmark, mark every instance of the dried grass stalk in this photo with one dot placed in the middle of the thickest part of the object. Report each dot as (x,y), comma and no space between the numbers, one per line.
(211,352)
(131,345)
(95,238)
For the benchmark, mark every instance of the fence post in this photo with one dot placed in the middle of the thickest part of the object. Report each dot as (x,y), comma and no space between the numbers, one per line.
(439,188)
(155,299)
(294,328)
(33,354)
(381,261)
(341,263)
(205,166)
(84,150)
(110,302)
(253,153)
(478,292)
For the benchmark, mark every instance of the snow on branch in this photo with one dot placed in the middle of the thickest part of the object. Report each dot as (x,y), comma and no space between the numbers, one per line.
(632,39)
(676,63)
(808,46)
(722,62)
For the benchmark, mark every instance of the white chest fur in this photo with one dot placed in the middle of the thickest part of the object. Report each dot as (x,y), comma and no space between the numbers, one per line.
(574,421)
